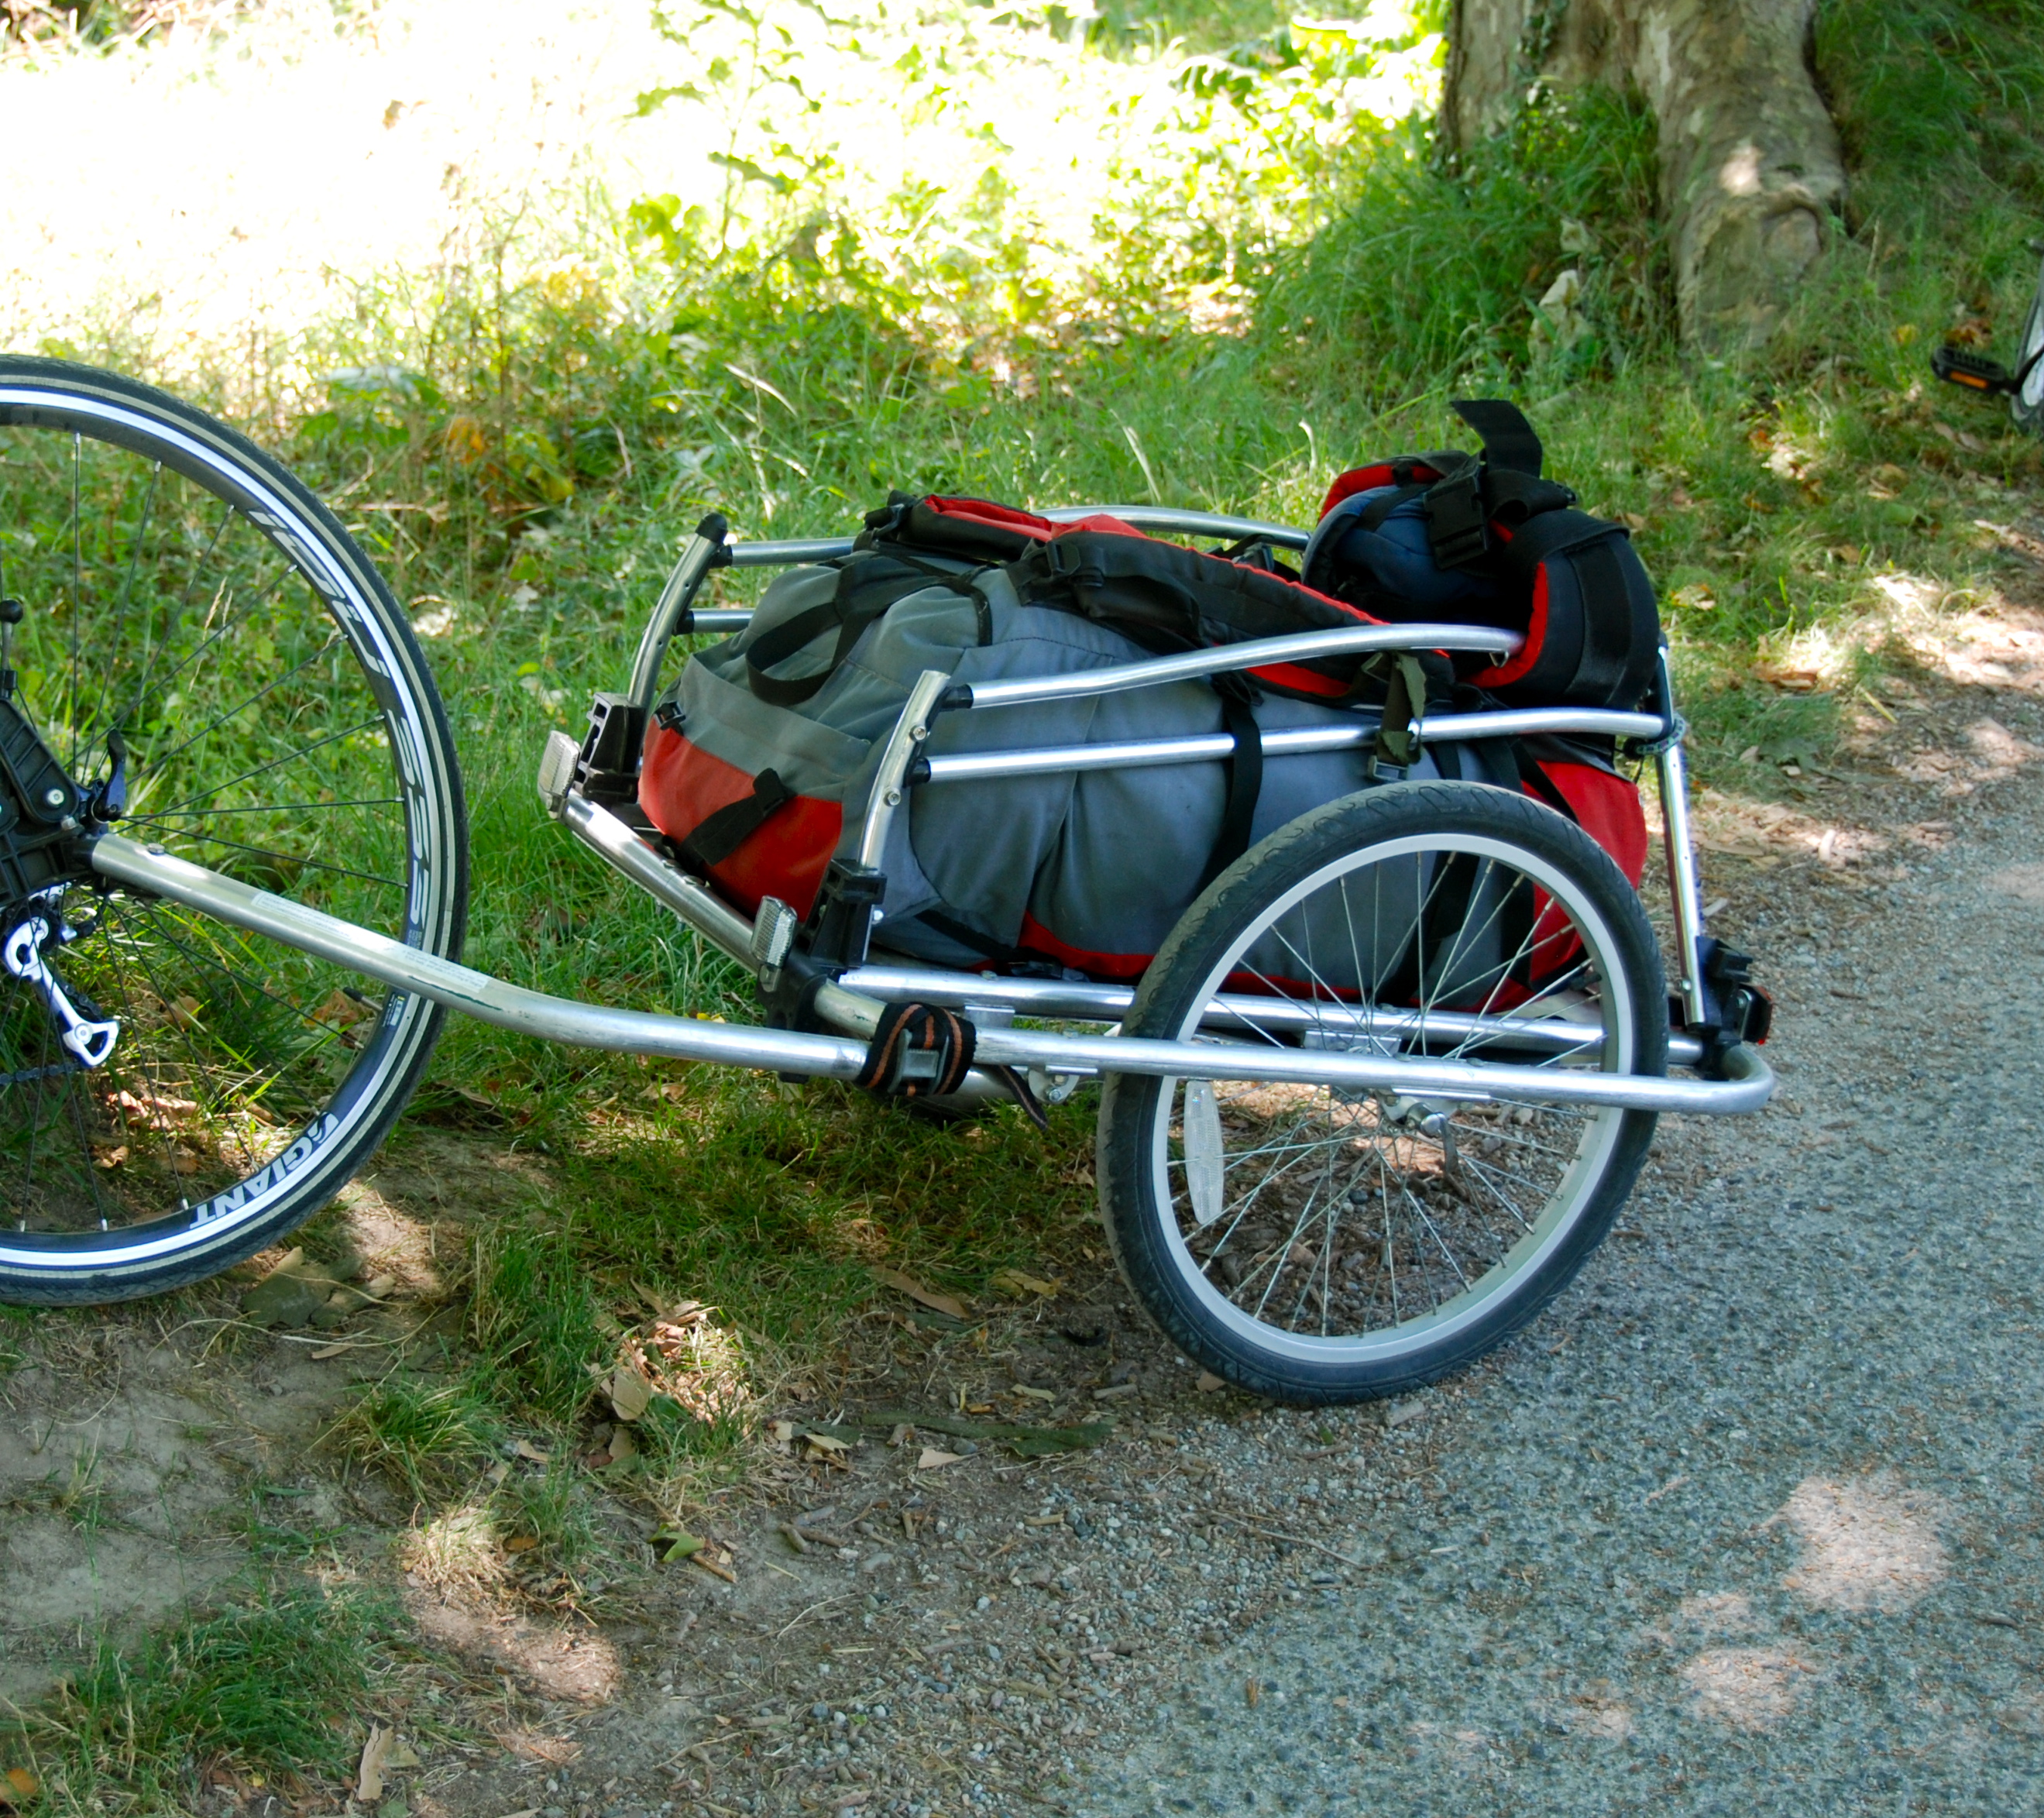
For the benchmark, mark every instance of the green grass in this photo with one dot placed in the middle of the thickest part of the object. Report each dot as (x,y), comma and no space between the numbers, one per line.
(426,1432)
(274,1685)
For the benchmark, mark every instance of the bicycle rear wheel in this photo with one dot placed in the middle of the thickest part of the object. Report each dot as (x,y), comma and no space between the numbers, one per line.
(197,634)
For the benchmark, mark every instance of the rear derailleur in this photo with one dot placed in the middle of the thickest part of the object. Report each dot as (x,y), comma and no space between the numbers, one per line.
(47,820)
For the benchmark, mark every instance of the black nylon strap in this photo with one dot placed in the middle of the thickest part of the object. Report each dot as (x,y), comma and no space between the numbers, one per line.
(1442,919)
(720,835)
(865,591)
(1549,534)
(1512,497)
(1515,928)
(1542,785)
(1166,596)
(1509,439)
(1245,784)
(951,928)
(1606,624)
(911,1028)
(1456,517)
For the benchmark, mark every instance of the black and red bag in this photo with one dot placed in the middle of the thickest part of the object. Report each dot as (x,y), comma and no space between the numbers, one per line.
(1483,539)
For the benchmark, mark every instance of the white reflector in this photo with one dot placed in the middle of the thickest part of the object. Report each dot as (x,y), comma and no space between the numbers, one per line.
(1202,1162)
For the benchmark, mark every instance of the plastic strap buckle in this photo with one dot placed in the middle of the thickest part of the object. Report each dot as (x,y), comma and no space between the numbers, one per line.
(1455,526)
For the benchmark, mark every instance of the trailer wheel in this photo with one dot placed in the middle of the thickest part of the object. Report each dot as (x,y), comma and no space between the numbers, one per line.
(1318,1245)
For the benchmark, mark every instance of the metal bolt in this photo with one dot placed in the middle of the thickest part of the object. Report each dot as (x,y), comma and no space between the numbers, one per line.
(893,798)
(53,797)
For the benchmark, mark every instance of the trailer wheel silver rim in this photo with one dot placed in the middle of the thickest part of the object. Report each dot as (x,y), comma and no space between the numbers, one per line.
(1546,1231)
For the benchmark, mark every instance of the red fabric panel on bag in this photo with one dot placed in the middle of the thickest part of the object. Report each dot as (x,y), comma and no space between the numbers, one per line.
(1035,938)
(681,786)
(1101,523)
(1002,517)
(1499,674)
(1361,479)
(1607,808)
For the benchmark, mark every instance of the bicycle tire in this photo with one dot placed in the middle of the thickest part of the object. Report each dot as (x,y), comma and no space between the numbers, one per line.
(278,721)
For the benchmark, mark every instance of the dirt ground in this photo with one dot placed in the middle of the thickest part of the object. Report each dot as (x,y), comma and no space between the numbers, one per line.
(916,1622)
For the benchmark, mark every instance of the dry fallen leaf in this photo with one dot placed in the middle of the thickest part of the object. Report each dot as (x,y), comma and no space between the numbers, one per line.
(929,1297)
(531,1453)
(1789,681)
(521,1543)
(622,1445)
(781,1432)
(113,1157)
(400,1754)
(1209,1382)
(932,1460)
(339,1010)
(375,1752)
(184,1011)
(1019,1286)
(631,1394)
(18,1784)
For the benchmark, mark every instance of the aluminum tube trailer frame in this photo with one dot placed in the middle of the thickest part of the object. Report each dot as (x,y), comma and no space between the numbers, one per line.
(1134,754)
(1303,646)
(1164,518)
(513,1007)
(1064,1000)
(1746,1087)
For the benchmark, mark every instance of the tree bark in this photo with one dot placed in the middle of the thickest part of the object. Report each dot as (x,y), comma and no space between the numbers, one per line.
(1750,169)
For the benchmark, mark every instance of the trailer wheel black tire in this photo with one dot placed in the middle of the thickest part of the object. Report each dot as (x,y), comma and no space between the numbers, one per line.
(1316,1245)
(194,622)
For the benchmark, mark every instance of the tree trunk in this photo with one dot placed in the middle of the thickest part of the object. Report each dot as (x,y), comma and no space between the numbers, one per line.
(1750,170)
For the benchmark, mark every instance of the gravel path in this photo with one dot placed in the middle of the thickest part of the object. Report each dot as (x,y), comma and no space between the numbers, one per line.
(1748,1523)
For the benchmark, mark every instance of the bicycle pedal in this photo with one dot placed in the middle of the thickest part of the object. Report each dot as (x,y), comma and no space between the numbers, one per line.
(1962,365)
